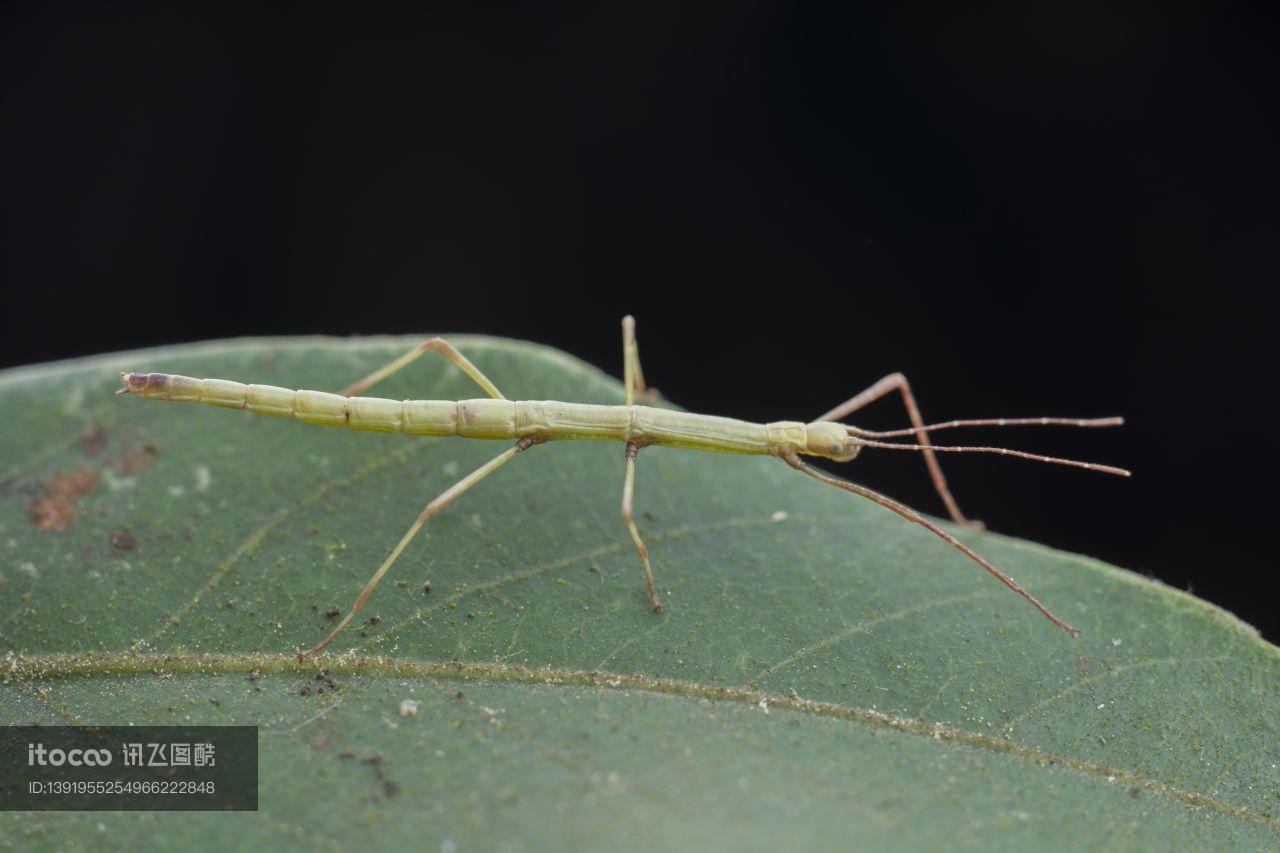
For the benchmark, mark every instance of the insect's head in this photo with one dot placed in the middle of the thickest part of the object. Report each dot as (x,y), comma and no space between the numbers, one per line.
(831,441)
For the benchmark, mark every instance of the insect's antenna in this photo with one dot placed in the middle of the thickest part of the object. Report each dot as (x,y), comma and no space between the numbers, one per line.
(1003,451)
(980,422)
(911,515)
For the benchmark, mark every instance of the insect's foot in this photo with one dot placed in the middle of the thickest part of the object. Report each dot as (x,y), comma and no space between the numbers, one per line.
(974,525)
(311,651)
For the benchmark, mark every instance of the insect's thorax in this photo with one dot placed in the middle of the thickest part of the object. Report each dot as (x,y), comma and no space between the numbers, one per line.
(645,425)
(649,426)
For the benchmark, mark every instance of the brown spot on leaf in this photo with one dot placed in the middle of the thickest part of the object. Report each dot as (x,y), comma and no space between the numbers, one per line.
(55,507)
(122,540)
(93,439)
(137,458)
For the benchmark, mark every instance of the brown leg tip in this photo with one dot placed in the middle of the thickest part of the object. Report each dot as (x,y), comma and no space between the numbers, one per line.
(657,607)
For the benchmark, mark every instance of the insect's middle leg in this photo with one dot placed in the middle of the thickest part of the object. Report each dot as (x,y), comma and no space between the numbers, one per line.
(632,375)
(887,385)
(441,346)
(628,487)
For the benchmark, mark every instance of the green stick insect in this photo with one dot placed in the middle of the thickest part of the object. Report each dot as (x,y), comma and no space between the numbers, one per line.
(535,422)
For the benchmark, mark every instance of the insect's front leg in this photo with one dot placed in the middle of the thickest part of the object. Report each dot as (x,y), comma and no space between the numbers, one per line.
(898,382)
(911,515)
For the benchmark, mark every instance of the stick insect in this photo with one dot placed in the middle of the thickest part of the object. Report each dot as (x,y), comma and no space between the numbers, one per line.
(637,426)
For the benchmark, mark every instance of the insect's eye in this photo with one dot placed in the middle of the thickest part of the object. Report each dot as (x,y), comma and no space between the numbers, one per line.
(837,449)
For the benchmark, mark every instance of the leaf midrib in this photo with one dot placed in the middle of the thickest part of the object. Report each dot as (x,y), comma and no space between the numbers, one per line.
(18,669)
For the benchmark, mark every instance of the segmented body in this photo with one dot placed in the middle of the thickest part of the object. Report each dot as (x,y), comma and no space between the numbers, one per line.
(540,420)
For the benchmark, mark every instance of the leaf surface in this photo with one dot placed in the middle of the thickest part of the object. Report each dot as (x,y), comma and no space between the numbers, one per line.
(825,674)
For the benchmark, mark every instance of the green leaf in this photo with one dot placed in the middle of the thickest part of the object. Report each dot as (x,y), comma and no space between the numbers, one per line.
(838,677)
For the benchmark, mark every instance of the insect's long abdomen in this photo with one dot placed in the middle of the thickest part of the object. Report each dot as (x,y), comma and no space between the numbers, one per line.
(481,418)
(476,418)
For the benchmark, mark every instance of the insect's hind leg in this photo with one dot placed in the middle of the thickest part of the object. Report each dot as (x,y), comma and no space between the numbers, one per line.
(439,345)
(443,500)
(898,382)
(628,486)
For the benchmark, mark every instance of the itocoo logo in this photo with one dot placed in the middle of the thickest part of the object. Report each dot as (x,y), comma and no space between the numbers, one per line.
(37,754)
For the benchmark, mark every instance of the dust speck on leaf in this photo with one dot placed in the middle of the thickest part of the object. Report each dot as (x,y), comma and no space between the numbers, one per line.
(55,507)
(379,765)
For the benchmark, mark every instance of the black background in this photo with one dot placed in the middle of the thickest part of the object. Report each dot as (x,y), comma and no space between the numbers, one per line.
(1031,210)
